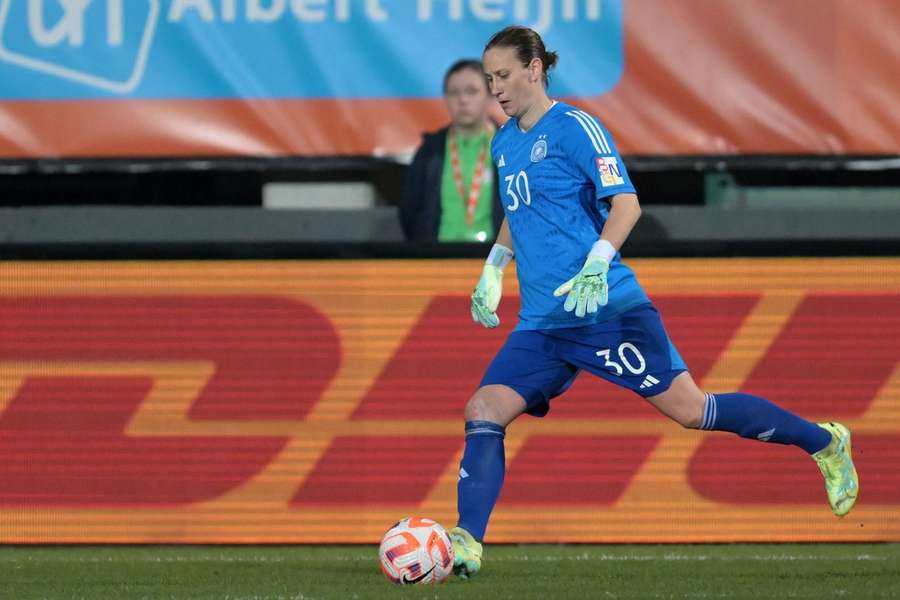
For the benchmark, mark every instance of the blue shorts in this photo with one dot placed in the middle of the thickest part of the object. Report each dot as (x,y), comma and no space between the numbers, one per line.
(632,351)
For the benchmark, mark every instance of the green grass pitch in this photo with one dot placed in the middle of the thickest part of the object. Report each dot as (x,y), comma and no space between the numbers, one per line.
(765,571)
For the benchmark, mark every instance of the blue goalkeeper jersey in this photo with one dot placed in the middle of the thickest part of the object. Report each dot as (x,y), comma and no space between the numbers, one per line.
(556,180)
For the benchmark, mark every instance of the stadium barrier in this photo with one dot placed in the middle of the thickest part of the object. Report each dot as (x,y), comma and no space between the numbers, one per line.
(64,226)
(319,401)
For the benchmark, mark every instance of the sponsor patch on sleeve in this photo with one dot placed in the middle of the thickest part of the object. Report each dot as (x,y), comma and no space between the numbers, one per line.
(610,175)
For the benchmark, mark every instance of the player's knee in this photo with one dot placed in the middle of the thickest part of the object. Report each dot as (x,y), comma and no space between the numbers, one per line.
(478,409)
(683,402)
(690,419)
(689,415)
(685,414)
(494,406)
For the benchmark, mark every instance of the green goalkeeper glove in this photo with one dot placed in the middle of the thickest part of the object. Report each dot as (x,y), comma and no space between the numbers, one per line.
(587,290)
(486,297)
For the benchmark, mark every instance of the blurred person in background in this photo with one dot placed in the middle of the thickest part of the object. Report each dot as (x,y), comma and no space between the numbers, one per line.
(450,193)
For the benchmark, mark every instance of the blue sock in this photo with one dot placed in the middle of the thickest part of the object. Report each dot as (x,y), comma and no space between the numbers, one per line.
(756,418)
(480,475)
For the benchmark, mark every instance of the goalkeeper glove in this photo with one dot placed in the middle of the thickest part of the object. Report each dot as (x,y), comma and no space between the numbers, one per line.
(486,296)
(588,290)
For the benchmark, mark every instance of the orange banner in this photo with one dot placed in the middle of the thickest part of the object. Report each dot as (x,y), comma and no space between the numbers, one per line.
(697,77)
(319,401)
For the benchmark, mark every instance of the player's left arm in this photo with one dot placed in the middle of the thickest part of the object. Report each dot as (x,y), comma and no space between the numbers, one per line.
(624,212)
(594,153)
(587,290)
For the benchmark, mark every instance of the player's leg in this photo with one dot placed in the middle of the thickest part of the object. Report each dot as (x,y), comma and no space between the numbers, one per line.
(498,404)
(748,416)
(756,418)
(523,376)
(482,470)
(634,352)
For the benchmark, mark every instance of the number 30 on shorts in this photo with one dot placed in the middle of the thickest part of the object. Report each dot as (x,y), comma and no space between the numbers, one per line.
(628,356)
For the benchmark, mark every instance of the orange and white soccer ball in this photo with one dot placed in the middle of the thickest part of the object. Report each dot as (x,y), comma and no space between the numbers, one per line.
(416,550)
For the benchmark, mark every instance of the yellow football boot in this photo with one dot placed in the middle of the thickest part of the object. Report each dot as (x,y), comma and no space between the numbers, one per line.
(466,553)
(841,480)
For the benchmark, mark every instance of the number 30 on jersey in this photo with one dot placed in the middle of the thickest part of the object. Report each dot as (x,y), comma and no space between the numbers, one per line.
(517,189)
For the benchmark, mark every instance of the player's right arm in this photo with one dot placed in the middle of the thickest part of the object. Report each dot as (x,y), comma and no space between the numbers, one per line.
(504,236)
(486,297)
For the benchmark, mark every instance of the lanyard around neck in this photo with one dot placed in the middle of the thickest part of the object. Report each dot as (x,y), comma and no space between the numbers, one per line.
(470,199)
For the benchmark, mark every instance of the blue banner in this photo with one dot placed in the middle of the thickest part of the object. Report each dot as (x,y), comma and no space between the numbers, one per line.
(333,49)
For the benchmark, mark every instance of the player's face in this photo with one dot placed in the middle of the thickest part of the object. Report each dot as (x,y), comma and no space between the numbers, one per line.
(509,81)
(467,98)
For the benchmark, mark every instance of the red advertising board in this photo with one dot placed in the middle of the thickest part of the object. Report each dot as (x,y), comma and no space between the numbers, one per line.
(319,401)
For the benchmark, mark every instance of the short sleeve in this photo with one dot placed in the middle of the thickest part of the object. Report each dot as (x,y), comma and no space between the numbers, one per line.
(592,149)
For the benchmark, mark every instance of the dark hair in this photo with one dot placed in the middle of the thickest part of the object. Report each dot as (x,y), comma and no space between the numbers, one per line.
(461,65)
(528,45)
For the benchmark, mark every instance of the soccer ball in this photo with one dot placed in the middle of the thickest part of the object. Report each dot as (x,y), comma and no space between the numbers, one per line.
(416,550)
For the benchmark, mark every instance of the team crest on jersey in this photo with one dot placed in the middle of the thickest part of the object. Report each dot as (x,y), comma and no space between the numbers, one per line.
(609,171)
(539,150)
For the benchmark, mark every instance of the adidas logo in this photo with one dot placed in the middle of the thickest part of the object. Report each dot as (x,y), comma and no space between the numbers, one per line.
(765,436)
(501,162)
(649,381)
(462,473)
